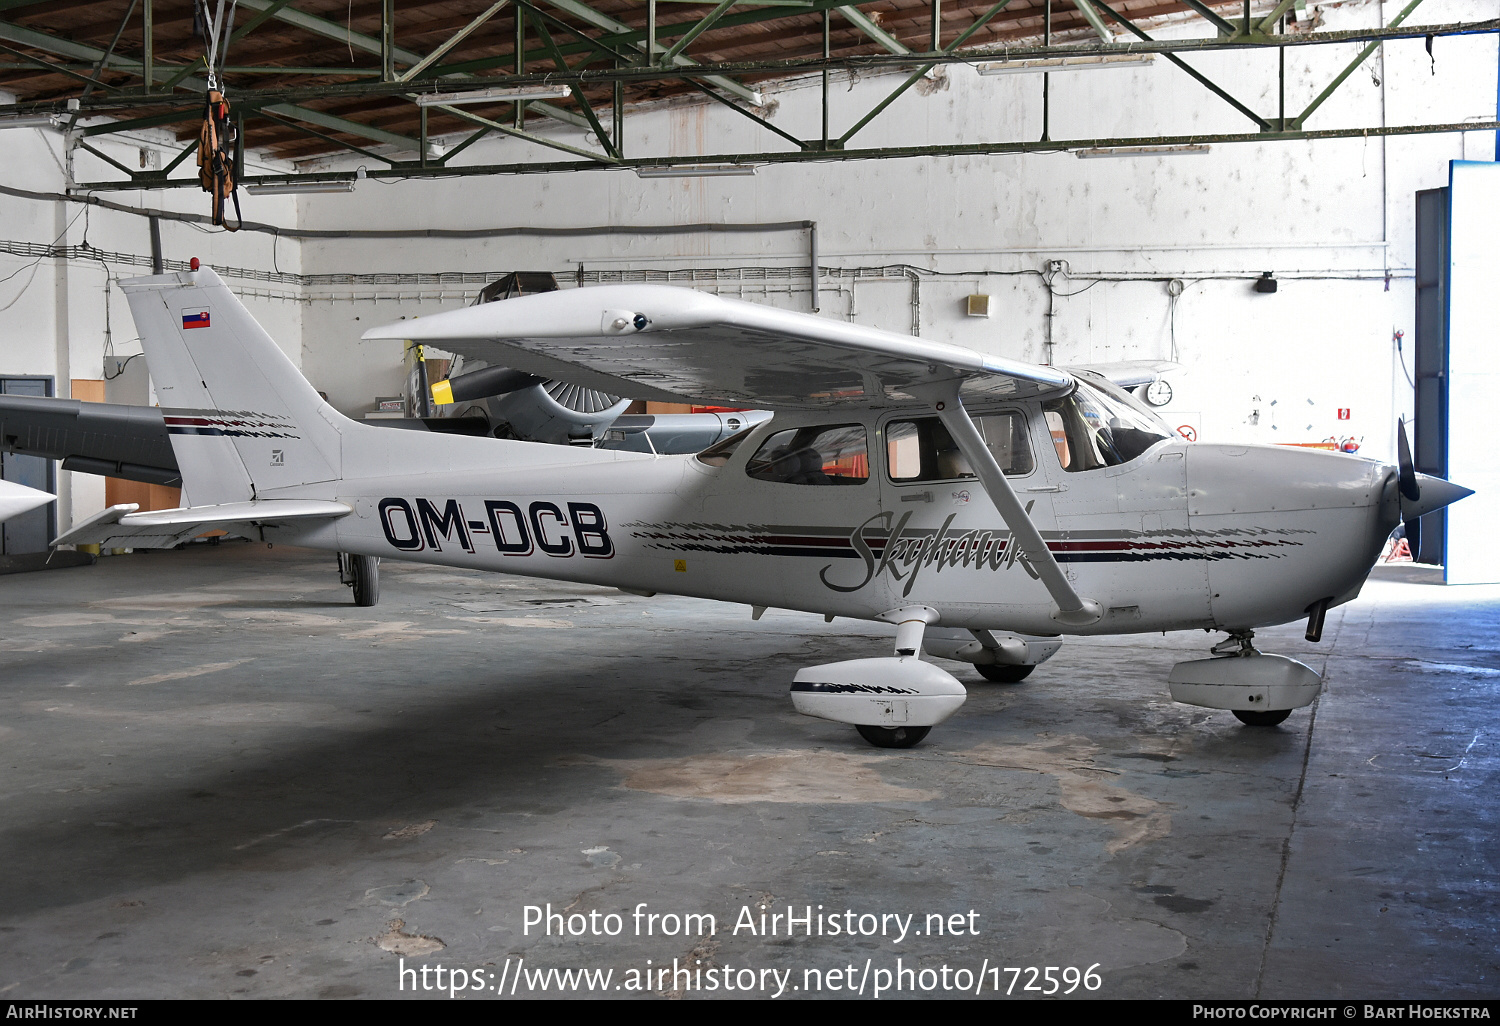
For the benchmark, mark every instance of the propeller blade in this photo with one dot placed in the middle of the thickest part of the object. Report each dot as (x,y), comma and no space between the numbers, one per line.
(1410,489)
(1414,538)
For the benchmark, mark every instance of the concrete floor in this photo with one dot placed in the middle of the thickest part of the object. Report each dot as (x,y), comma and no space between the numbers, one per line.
(221,778)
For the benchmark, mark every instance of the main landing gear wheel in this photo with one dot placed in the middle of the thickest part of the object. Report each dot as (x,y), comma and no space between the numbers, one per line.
(892,737)
(1261,719)
(365,574)
(1000,673)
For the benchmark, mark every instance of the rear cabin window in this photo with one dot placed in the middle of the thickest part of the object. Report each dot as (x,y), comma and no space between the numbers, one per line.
(821,455)
(922,449)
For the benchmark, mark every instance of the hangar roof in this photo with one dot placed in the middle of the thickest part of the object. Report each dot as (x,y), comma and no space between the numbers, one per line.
(318,53)
(392,81)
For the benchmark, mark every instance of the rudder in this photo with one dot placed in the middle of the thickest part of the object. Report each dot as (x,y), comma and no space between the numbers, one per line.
(243,420)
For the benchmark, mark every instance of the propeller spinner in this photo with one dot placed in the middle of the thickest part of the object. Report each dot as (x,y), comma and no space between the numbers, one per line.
(1411,490)
(1420,493)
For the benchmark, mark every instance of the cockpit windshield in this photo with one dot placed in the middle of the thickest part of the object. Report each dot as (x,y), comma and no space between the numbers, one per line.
(1093,428)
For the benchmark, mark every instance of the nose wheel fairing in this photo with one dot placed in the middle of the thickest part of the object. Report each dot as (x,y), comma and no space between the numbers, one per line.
(1259,688)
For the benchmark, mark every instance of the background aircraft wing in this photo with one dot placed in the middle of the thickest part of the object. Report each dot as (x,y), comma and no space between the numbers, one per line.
(1131,373)
(677,345)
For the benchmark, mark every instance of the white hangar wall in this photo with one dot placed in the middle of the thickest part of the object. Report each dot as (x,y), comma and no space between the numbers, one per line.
(1333,219)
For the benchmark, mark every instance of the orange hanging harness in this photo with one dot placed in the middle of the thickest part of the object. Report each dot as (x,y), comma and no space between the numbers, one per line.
(216,166)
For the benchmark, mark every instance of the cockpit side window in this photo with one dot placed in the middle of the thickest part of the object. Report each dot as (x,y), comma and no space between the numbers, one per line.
(1092,429)
(922,449)
(720,452)
(815,455)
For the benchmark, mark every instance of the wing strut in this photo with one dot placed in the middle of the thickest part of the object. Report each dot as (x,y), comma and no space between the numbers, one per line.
(1069,607)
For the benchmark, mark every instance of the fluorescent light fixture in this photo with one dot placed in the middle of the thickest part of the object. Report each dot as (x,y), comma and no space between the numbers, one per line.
(697,171)
(1111,60)
(499,94)
(286,188)
(1144,151)
(31,121)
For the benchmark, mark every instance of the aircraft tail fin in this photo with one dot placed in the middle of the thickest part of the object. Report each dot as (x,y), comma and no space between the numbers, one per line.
(243,420)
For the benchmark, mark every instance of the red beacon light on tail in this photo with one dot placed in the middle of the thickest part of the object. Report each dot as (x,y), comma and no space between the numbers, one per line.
(193,264)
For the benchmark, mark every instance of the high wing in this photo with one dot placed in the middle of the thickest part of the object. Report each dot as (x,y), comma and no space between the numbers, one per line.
(674,345)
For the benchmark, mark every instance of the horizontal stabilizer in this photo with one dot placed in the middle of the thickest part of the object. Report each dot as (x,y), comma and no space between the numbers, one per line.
(16,499)
(121,526)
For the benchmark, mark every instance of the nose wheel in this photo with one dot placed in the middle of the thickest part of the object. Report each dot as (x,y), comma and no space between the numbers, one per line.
(1269,718)
(1001,673)
(892,737)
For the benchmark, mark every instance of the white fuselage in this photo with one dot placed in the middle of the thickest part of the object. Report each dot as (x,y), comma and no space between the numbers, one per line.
(1186,535)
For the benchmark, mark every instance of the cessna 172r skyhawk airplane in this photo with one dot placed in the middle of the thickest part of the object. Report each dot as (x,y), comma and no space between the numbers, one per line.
(982,506)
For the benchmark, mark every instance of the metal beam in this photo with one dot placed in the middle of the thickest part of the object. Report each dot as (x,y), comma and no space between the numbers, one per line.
(1086,8)
(260,19)
(52,69)
(388,40)
(272,115)
(862,21)
(1339,79)
(338,124)
(107,158)
(579,98)
(154,121)
(81,51)
(912,80)
(869,63)
(1200,78)
(1269,21)
(562,114)
(331,30)
(452,41)
(599,162)
(762,122)
(470,141)
(183,154)
(1213,17)
(99,64)
(697,30)
(539,140)
(148,44)
(608,24)
(372,45)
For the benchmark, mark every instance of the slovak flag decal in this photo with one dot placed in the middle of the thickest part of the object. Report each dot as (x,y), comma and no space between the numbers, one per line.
(194,319)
